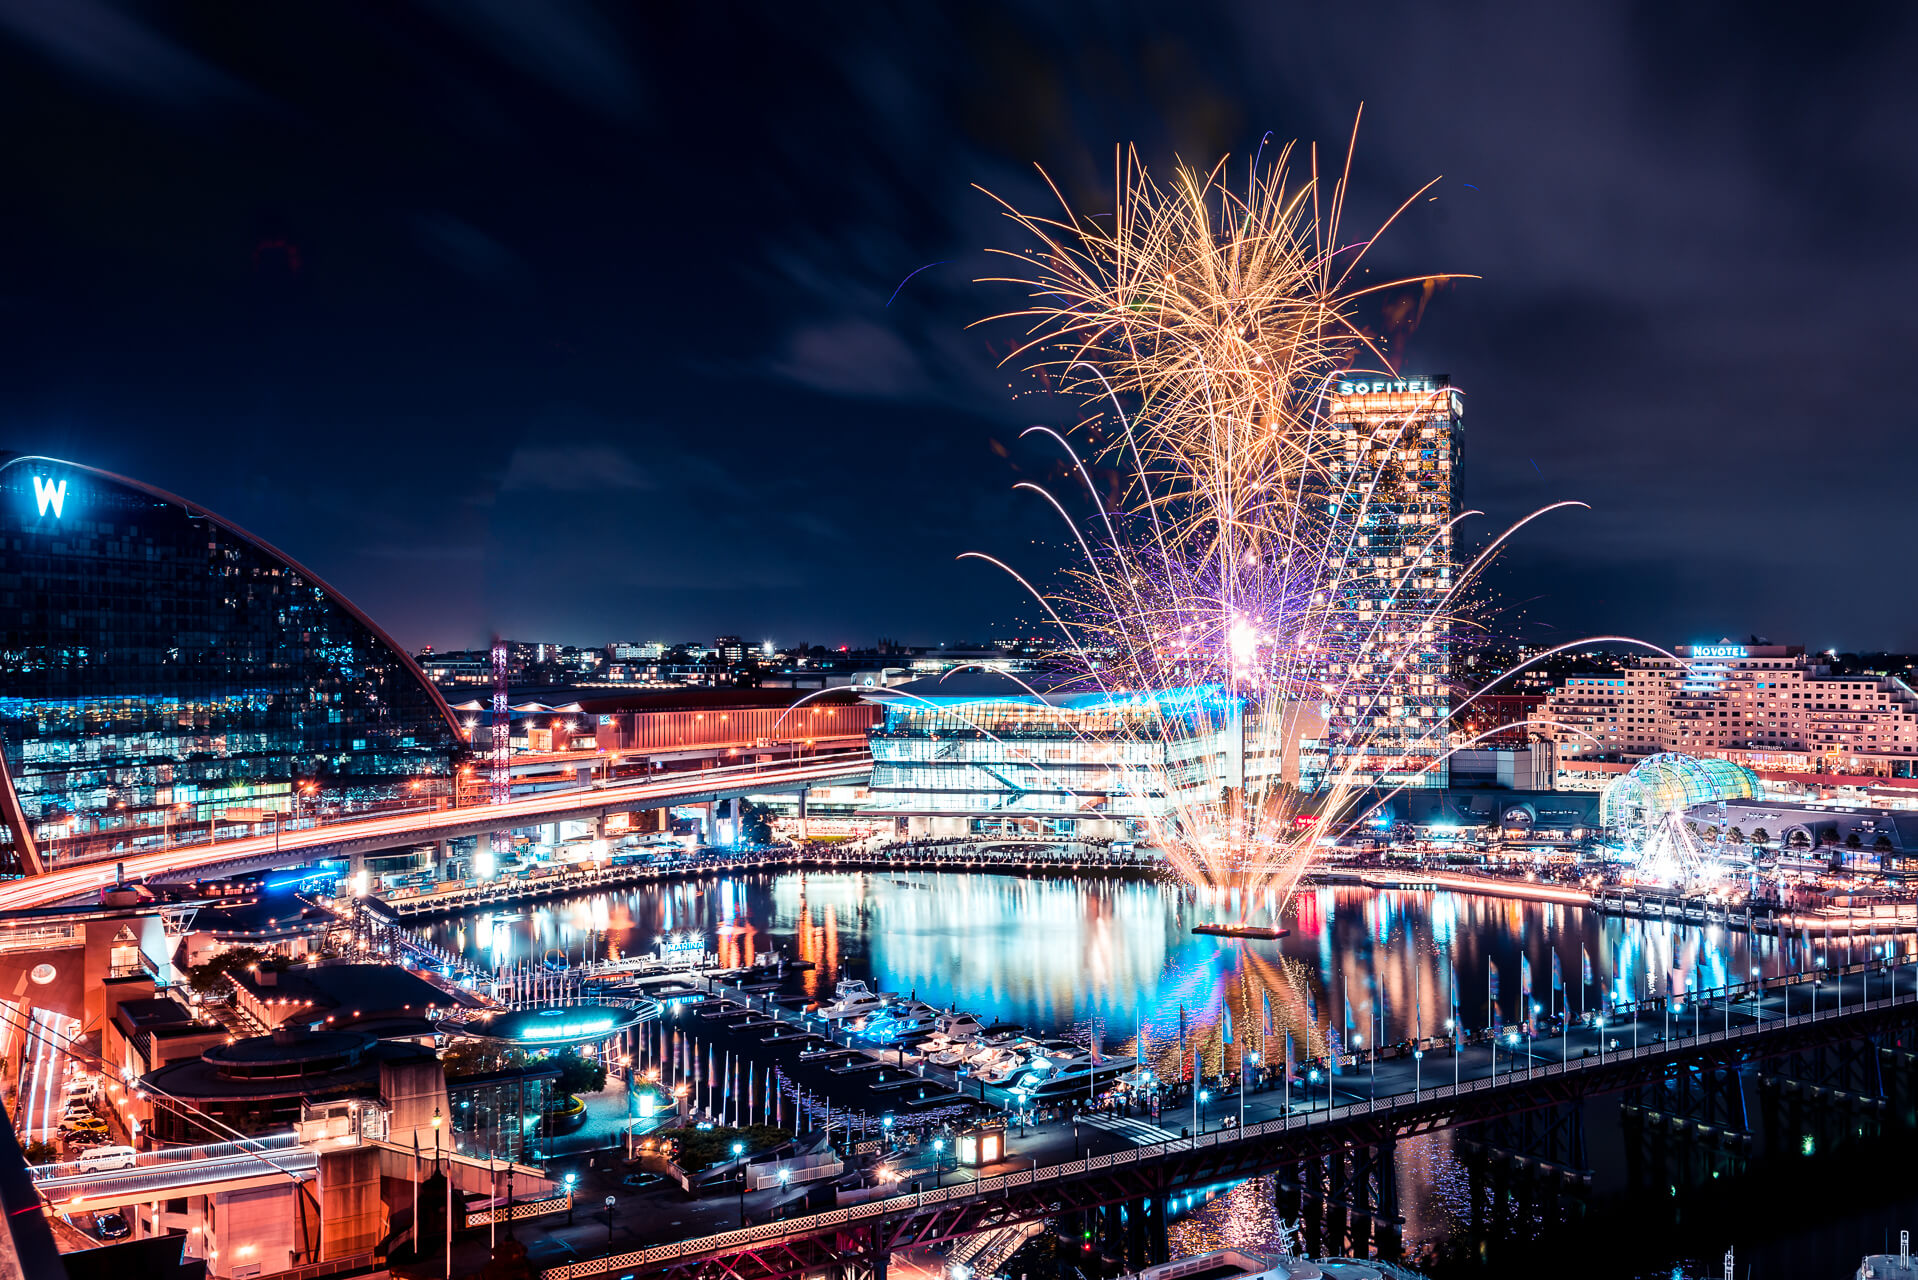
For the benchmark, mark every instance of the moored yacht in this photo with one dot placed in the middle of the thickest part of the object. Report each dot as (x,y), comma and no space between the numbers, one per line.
(902,1020)
(851,998)
(1071,1069)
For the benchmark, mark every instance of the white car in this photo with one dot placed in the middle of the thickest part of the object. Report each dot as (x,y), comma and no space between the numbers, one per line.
(103,1159)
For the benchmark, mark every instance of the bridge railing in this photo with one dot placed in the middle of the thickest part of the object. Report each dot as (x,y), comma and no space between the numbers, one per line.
(914,1202)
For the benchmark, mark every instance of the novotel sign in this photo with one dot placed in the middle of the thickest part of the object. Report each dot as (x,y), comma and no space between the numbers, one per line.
(1718,651)
(1379,386)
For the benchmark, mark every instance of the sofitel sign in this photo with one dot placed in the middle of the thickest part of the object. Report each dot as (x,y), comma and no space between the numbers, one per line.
(1377,385)
(1718,651)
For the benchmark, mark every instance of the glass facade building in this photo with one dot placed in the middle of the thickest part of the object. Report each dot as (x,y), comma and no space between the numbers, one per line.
(1398,441)
(989,752)
(163,668)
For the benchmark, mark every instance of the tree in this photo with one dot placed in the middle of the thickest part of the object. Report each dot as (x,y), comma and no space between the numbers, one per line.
(465,1058)
(1882,844)
(1799,840)
(578,1074)
(1852,841)
(40,1152)
(1761,836)
(1829,837)
(206,978)
(755,823)
(1735,836)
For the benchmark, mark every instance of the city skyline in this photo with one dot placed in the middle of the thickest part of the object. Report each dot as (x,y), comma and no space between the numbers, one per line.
(448,387)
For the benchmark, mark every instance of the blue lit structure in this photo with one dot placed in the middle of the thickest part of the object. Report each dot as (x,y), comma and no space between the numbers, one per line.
(1671,782)
(984,751)
(162,666)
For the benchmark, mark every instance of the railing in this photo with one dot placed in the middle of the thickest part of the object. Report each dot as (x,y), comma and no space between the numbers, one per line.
(914,1202)
(331,1267)
(521,1209)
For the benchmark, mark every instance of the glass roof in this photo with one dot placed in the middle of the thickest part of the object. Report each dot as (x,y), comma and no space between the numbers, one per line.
(1670,781)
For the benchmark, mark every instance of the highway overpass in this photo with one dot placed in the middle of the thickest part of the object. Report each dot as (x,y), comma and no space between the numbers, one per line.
(387,831)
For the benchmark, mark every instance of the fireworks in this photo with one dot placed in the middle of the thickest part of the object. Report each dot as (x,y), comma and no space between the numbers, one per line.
(1223,578)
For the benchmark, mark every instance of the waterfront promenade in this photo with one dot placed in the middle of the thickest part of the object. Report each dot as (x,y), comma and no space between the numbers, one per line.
(1081,1163)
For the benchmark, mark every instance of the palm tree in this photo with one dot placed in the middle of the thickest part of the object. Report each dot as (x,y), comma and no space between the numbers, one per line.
(1761,836)
(1852,841)
(1882,844)
(1799,840)
(1735,836)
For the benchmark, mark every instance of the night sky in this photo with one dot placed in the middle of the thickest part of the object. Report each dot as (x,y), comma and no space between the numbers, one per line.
(572,323)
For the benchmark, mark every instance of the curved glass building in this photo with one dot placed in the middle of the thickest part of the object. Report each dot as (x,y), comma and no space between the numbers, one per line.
(1670,781)
(161,669)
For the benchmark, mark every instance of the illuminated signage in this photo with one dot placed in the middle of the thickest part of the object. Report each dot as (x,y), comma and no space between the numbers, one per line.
(567,1030)
(49,494)
(1718,651)
(1374,386)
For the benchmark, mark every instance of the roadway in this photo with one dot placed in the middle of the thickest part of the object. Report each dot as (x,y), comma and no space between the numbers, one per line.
(387,831)
(176,1171)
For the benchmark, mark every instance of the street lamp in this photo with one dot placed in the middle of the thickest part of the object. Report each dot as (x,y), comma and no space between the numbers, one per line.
(1450,1031)
(739,1149)
(571,1178)
(938,1160)
(1205,1096)
(1598,1021)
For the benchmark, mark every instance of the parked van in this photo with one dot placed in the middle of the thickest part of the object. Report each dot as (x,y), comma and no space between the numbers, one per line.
(102,1159)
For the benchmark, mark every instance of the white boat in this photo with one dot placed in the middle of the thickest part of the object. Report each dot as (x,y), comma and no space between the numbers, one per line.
(851,998)
(903,1020)
(954,1025)
(1072,1070)
(1888,1266)
(953,1054)
(1002,1066)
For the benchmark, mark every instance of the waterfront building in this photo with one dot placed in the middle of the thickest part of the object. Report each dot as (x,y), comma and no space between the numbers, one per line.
(983,751)
(163,670)
(262,1084)
(1398,440)
(1772,707)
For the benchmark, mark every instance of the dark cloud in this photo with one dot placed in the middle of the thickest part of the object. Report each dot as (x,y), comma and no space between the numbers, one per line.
(573,320)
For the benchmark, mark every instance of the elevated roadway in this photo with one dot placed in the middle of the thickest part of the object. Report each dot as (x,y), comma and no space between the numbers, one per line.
(371,834)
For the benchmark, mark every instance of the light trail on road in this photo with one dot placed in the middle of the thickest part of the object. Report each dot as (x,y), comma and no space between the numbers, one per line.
(57,886)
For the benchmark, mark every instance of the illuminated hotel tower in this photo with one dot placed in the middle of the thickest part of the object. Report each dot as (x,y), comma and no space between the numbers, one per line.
(1397,439)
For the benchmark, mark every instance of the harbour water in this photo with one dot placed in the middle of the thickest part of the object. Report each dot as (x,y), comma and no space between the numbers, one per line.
(1098,958)
(1111,956)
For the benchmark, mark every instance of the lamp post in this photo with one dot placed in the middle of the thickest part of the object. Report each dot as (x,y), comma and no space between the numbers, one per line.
(1598,1021)
(609,1226)
(1205,1096)
(739,1149)
(1252,1058)
(938,1160)
(571,1178)
(1452,1030)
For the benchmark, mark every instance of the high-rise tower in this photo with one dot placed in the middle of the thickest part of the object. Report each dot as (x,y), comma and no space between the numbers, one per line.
(1393,486)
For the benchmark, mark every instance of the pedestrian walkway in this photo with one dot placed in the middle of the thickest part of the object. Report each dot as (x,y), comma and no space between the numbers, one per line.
(1137,1130)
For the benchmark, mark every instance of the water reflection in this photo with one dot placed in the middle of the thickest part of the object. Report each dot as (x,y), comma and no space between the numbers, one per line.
(1116,958)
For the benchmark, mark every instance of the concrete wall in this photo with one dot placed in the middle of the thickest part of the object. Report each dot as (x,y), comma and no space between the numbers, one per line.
(353,1218)
(415,1091)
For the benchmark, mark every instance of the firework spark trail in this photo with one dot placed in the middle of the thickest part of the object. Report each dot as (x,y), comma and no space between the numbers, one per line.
(1202,329)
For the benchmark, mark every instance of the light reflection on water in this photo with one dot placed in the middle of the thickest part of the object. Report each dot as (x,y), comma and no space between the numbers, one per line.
(1114,956)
